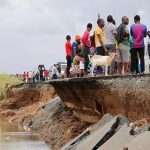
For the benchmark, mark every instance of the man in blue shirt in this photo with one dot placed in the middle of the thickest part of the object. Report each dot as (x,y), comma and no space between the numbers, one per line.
(75,45)
(138,33)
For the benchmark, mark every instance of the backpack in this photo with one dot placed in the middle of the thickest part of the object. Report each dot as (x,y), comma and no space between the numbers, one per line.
(120,33)
(148,49)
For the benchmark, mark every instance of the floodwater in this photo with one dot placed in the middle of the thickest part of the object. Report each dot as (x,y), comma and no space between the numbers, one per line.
(13,137)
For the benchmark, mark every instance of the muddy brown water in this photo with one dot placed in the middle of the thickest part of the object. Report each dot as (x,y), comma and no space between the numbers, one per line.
(13,137)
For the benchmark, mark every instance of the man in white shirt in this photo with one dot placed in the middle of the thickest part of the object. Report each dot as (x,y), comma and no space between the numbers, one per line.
(110,36)
(54,72)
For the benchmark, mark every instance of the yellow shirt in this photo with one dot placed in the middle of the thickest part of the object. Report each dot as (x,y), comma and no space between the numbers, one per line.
(99,32)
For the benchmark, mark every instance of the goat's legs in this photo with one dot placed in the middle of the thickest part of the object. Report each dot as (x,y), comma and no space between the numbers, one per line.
(106,70)
(92,70)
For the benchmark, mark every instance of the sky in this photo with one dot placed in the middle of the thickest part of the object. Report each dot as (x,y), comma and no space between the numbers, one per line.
(32,32)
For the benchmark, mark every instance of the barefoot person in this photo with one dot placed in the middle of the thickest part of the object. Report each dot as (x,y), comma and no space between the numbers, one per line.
(138,33)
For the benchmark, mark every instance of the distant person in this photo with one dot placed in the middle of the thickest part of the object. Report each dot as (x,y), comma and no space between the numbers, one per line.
(110,37)
(68,54)
(27,77)
(75,45)
(54,72)
(86,42)
(24,76)
(37,76)
(41,69)
(123,35)
(59,68)
(33,77)
(30,77)
(138,33)
(17,76)
(46,75)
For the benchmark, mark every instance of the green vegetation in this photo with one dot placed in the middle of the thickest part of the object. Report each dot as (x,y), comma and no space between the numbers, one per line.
(7,79)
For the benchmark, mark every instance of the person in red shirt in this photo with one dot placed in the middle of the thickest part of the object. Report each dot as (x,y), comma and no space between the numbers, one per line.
(86,45)
(68,54)
(27,77)
(46,74)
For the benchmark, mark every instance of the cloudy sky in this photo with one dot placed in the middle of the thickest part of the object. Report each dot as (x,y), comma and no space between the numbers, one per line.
(33,32)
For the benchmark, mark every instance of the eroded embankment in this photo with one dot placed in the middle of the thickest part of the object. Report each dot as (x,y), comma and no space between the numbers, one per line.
(22,95)
(85,100)
(37,108)
(91,98)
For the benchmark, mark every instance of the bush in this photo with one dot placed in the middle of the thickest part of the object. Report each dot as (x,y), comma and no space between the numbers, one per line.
(6,80)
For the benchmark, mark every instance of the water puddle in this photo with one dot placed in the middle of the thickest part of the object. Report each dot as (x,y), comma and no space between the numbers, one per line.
(13,137)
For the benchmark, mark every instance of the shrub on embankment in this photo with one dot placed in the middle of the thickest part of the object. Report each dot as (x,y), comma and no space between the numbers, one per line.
(6,80)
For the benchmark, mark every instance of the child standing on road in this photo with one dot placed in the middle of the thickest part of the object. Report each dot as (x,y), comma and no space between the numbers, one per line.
(78,63)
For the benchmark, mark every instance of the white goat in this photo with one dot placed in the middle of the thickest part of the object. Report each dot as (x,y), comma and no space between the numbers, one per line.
(98,60)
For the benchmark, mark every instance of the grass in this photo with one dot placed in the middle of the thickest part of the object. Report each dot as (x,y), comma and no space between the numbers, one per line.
(7,79)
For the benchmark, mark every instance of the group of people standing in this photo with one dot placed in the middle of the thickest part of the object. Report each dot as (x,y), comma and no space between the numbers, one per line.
(107,38)
(32,77)
(42,74)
